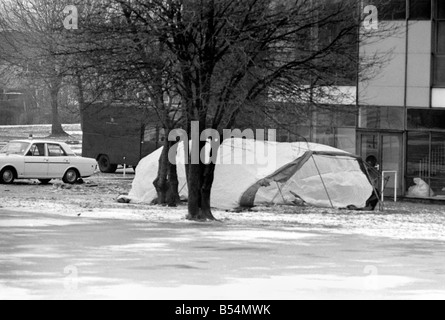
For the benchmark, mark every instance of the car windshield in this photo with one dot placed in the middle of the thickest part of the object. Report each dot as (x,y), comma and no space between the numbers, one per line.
(18,148)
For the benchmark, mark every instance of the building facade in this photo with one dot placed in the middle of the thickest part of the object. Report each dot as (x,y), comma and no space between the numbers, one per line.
(398,116)
(401,116)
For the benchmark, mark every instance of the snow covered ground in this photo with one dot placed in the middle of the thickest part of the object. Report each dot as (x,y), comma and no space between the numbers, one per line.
(78,242)
(38,131)
(97,199)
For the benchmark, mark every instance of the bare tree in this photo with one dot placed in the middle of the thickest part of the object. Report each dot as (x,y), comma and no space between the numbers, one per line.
(33,43)
(136,64)
(230,55)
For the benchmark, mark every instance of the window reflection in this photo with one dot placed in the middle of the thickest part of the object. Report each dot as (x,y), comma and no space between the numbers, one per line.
(426,119)
(381,118)
(420,10)
(439,50)
(390,10)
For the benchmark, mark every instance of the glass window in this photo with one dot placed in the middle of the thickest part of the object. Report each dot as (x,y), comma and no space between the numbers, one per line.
(439,76)
(391,118)
(440,37)
(390,10)
(370,148)
(336,117)
(394,10)
(426,119)
(391,151)
(440,9)
(347,117)
(324,118)
(438,156)
(301,134)
(346,139)
(418,155)
(426,161)
(439,50)
(54,150)
(18,148)
(324,135)
(37,150)
(420,10)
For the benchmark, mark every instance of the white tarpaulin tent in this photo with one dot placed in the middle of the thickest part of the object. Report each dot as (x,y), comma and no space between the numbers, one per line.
(250,173)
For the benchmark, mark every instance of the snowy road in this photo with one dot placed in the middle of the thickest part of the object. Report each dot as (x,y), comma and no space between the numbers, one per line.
(53,256)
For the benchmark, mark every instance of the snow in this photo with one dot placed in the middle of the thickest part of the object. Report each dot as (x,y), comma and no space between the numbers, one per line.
(274,288)
(144,252)
(136,251)
(399,220)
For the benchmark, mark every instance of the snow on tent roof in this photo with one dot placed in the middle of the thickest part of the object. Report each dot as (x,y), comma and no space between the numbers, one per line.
(250,173)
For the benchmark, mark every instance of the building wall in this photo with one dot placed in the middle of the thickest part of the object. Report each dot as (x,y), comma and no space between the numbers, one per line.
(387,84)
(419,64)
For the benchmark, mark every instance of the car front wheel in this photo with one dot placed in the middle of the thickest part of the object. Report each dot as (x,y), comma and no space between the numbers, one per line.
(71,176)
(7,176)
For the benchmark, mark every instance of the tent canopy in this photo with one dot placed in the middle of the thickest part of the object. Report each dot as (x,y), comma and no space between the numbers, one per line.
(250,173)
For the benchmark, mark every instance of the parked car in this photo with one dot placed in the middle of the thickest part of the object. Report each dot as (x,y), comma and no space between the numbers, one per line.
(44,161)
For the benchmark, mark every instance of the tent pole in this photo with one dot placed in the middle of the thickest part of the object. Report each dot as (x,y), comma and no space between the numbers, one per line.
(322,180)
(281,192)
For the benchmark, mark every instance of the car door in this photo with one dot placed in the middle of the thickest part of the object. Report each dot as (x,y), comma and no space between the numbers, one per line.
(36,161)
(59,161)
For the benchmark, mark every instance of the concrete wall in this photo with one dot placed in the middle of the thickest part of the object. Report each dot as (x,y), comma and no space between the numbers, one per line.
(419,64)
(387,86)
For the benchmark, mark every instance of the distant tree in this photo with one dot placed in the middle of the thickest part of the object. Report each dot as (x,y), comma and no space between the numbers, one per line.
(33,43)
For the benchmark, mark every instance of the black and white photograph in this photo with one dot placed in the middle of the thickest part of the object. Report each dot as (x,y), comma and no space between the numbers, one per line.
(222,156)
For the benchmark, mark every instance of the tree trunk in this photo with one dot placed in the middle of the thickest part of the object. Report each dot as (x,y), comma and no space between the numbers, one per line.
(161,181)
(173,198)
(81,98)
(200,181)
(166,183)
(56,129)
(206,189)
(200,186)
